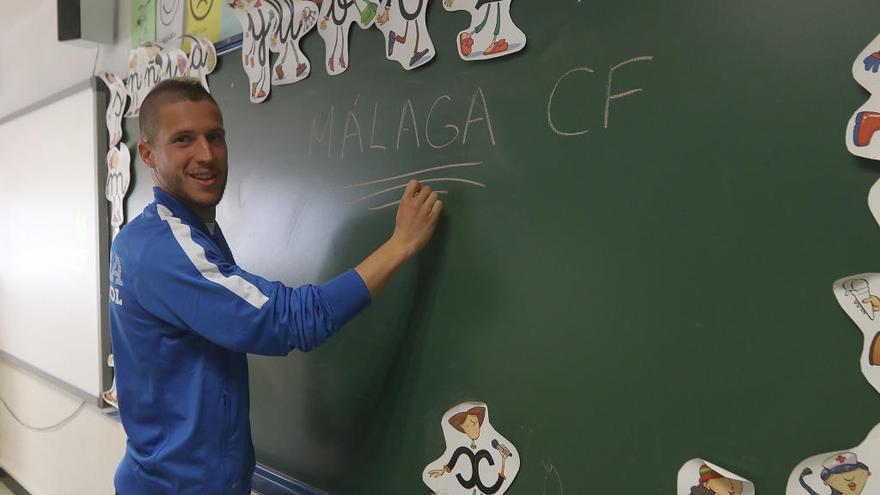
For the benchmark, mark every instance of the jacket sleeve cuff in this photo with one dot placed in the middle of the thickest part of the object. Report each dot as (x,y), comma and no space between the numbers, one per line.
(347,295)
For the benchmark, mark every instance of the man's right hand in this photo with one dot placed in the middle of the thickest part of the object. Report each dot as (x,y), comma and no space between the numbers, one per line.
(417,218)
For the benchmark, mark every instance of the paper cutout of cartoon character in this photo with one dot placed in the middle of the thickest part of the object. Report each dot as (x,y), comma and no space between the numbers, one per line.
(406,32)
(492,32)
(477,460)
(336,17)
(109,395)
(116,107)
(201,59)
(118,180)
(855,296)
(844,472)
(169,21)
(147,65)
(258,20)
(865,122)
(841,472)
(700,477)
(296,18)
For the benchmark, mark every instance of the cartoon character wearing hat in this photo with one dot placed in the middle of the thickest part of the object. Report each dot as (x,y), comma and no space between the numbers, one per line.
(480,444)
(713,483)
(842,472)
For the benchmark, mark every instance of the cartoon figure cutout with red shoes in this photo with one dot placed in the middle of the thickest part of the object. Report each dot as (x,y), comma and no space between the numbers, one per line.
(864,124)
(406,32)
(492,32)
(335,19)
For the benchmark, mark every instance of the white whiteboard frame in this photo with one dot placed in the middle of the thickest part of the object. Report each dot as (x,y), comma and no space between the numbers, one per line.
(53,241)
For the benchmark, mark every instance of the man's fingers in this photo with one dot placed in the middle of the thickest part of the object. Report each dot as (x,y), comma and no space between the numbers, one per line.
(429,202)
(412,187)
(436,208)
(423,194)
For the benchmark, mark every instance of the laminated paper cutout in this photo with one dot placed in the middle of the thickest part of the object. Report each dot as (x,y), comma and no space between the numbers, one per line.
(858,296)
(147,65)
(116,108)
(492,32)
(203,19)
(202,58)
(477,458)
(335,21)
(169,21)
(143,21)
(865,122)
(845,472)
(700,477)
(258,21)
(118,180)
(406,32)
(296,18)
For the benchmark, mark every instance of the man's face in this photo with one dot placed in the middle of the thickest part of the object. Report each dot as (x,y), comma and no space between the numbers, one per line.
(471,426)
(850,483)
(724,486)
(188,154)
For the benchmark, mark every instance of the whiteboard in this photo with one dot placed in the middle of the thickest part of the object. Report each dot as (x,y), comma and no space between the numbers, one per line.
(49,258)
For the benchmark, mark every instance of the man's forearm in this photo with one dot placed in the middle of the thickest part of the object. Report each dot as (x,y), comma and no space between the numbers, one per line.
(376,270)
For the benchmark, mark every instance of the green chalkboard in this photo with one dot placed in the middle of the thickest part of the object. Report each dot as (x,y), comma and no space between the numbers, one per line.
(625,299)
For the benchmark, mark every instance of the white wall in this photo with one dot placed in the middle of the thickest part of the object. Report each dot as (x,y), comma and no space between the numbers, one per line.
(81,457)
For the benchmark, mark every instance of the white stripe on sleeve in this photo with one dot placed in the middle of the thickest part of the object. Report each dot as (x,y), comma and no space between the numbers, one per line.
(196,254)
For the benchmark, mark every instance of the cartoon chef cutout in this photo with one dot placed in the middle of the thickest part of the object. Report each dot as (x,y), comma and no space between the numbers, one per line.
(477,460)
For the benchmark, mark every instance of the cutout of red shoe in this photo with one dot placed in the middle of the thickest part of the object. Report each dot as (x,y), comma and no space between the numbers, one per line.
(300,69)
(499,46)
(330,64)
(465,43)
(342,62)
(867,123)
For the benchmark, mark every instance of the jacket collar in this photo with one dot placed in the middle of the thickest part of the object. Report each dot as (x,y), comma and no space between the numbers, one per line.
(179,210)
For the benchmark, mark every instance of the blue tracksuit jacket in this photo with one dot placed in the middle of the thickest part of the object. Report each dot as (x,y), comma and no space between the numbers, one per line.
(183,316)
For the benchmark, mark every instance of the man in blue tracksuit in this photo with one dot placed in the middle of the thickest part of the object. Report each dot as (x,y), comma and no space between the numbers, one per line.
(183,314)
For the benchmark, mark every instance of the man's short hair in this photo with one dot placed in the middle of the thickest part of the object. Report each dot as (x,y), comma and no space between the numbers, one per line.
(172,90)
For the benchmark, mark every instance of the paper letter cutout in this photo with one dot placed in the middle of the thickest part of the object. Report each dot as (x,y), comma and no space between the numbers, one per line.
(169,21)
(118,180)
(147,65)
(700,477)
(866,121)
(116,108)
(492,33)
(202,58)
(297,17)
(258,21)
(839,472)
(334,24)
(203,18)
(143,21)
(477,457)
(406,32)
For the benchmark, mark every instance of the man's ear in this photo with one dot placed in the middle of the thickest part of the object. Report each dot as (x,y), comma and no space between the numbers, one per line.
(146,153)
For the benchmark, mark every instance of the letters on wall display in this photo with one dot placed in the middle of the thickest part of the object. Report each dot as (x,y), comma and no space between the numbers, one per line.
(477,458)
(406,32)
(334,25)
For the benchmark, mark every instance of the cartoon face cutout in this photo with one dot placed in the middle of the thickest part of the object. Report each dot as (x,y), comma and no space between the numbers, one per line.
(477,458)
(492,32)
(335,19)
(845,473)
(700,477)
(406,32)
(724,486)
(849,482)
(295,19)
